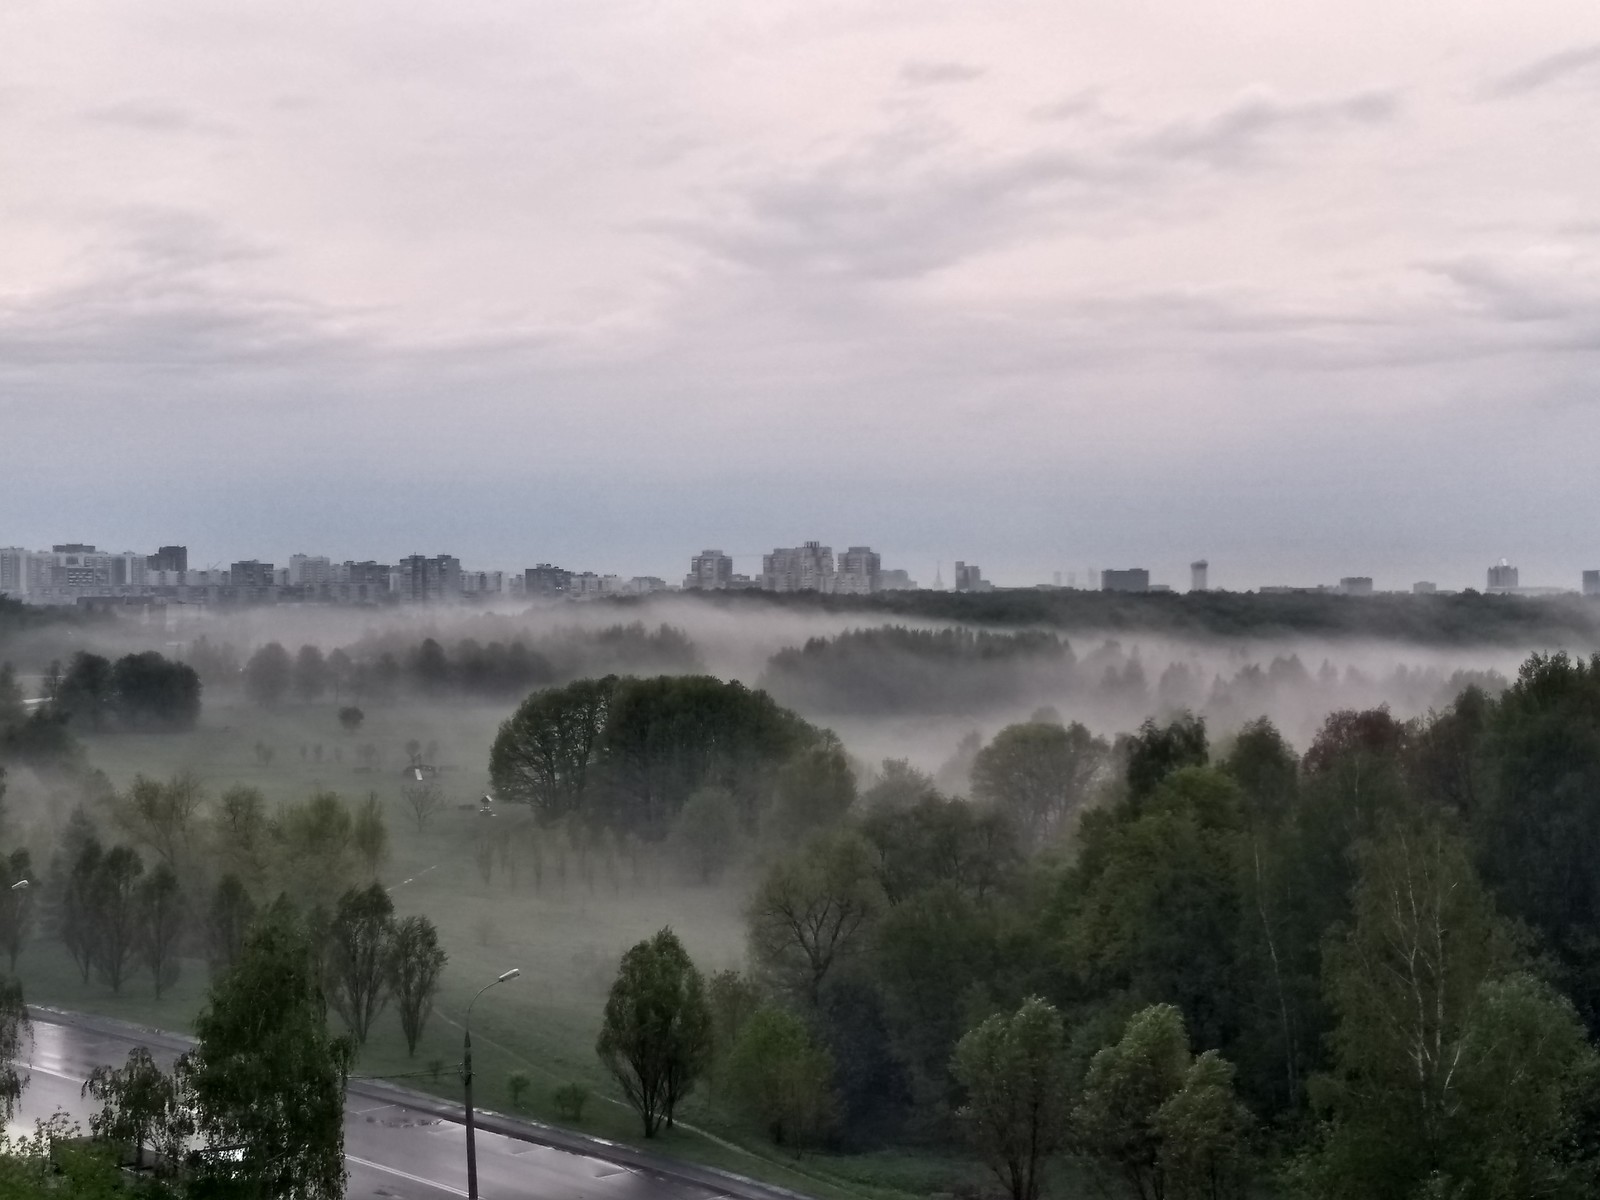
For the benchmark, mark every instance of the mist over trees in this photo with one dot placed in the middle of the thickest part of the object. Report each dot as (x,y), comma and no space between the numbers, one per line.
(1135,933)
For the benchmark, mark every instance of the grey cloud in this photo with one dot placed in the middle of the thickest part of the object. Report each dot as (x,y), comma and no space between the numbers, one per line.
(897,207)
(167,240)
(1541,73)
(1070,108)
(933,74)
(150,115)
(1525,311)
(1239,133)
(159,301)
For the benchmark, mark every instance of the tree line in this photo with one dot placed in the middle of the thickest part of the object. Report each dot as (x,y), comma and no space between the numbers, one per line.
(1465,618)
(383,669)
(891,670)
(143,692)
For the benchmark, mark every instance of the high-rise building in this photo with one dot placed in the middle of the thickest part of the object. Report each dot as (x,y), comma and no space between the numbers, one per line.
(15,568)
(1356,585)
(169,558)
(362,582)
(1198,570)
(1424,587)
(969,578)
(546,581)
(308,571)
(896,580)
(1591,582)
(425,580)
(483,583)
(249,573)
(709,571)
(1133,579)
(807,568)
(860,572)
(1502,577)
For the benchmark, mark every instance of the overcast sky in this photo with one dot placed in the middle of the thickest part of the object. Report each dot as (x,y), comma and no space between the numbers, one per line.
(1308,289)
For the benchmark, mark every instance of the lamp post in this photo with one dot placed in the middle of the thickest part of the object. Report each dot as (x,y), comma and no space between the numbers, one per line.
(466,1081)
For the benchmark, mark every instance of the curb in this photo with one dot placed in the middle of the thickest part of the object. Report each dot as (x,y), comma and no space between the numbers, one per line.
(533,1132)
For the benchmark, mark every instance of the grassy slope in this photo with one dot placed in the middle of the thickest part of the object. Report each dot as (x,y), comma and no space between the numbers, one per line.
(565,937)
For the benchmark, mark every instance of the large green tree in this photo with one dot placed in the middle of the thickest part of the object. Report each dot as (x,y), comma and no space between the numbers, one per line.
(162,917)
(667,737)
(1013,1068)
(812,911)
(360,955)
(1153,905)
(151,692)
(267,1079)
(115,914)
(1163,1121)
(1039,774)
(655,1036)
(1156,751)
(781,1078)
(140,1105)
(936,841)
(545,751)
(1452,1069)
(268,674)
(415,962)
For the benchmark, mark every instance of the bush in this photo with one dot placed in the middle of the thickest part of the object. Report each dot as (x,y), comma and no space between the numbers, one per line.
(350,717)
(569,1100)
(517,1084)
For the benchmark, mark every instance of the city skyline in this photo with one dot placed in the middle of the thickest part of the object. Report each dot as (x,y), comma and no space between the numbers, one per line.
(807,566)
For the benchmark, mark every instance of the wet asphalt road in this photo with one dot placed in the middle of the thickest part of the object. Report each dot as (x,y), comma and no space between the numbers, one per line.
(391,1150)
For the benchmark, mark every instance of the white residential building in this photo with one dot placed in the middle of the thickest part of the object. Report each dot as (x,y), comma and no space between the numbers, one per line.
(709,571)
(483,583)
(860,572)
(308,571)
(807,568)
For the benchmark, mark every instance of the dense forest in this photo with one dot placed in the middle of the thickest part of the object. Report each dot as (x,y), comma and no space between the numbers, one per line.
(1357,940)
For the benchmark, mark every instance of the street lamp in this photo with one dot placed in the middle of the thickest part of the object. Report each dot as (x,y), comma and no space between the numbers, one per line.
(20,885)
(466,1081)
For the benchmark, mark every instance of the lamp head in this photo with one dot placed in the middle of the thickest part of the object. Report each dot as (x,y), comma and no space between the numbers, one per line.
(511,974)
(20,885)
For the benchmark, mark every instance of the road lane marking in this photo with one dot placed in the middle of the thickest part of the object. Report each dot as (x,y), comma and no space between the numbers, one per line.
(426,1182)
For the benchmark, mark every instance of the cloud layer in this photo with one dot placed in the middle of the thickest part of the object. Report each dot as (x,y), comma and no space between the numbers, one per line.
(1309,293)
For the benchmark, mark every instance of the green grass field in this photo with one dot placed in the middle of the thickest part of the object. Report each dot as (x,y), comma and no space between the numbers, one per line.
(566,935)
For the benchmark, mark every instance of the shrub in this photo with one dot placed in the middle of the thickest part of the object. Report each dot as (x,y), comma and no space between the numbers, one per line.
(517,1083)
(569,1100)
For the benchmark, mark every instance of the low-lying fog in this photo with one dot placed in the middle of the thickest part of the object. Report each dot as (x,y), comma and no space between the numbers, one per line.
(887,693)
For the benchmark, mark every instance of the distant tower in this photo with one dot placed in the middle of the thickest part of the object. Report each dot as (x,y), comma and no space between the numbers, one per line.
(1197,575)
(938,577)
